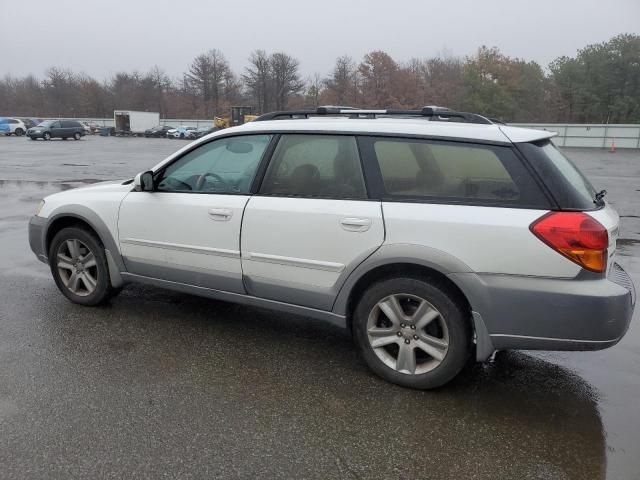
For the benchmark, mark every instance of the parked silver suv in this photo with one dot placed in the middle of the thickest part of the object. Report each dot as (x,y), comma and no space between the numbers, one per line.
(432,235)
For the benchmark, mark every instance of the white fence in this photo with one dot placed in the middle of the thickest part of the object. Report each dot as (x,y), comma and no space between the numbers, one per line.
(569,134)
(594,136)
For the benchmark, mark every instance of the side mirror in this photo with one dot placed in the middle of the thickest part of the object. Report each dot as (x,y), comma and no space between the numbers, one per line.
(143,182)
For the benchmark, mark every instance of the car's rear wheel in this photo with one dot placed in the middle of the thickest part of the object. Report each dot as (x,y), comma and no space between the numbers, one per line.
(79,266)
(46,136)
(76,136)
(19,132)
(412,332)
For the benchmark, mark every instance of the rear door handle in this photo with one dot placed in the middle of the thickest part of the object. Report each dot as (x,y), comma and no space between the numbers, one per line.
(220,214)
(353,224)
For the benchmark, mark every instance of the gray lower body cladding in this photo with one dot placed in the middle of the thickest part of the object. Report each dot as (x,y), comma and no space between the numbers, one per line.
(510,311)
(36,237)
(536,313)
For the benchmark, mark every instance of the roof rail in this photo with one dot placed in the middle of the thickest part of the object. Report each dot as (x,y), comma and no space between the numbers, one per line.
(432,113)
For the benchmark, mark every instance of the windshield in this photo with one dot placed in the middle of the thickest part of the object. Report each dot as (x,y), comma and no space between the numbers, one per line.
(568,185)
(46,123)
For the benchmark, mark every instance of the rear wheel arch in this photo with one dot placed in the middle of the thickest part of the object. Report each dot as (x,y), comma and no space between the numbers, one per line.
(403,269)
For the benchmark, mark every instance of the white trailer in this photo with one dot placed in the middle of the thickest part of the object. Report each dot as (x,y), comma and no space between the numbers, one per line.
(129,122)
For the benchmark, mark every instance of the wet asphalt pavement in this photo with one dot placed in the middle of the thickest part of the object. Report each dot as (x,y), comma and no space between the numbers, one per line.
(160,384)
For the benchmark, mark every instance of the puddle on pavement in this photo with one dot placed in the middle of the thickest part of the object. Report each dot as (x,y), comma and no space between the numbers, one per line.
(39,184)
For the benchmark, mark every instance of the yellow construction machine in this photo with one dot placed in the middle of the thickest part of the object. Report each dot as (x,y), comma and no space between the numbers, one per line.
(239,115)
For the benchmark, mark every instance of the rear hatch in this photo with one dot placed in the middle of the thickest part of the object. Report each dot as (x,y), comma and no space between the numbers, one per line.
(570,189)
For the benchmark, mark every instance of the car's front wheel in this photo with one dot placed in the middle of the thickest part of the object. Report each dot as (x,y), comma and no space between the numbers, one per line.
(46,136)
(412,332)
(79,266)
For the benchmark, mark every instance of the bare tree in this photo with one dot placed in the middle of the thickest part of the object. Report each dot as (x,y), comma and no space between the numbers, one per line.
(378,71)
(257,78)
(208,73)
(341,85)
(286,79)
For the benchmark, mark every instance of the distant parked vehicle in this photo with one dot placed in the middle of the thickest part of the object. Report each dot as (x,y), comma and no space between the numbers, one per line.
(159,131)
(12,126)
(129,122)
(30,122)
(201,132)
(86,126)
(182,132)
(57,129)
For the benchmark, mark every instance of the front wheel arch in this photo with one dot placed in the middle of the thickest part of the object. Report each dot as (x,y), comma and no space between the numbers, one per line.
(79,214)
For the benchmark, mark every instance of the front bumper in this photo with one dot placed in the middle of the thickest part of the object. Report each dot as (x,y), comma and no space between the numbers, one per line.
(37,238)
(534,313)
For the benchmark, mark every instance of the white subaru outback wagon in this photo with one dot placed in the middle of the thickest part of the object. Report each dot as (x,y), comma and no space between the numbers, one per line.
(432,235)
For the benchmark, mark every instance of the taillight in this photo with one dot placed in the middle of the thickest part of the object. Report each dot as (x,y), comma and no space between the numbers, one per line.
(577,236)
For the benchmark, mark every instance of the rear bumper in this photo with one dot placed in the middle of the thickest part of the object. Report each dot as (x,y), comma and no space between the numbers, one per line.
(534,313)
(36,237)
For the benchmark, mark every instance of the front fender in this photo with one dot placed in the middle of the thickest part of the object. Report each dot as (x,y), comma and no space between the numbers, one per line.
(85,214)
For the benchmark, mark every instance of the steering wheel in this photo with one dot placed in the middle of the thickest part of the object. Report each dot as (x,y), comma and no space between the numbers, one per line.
(176,181)
(203,177)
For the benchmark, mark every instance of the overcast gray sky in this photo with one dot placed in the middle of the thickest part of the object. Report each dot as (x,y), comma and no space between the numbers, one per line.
(103,37)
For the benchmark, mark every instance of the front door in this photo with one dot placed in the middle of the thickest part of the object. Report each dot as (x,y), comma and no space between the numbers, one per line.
(311,222)
(188,229)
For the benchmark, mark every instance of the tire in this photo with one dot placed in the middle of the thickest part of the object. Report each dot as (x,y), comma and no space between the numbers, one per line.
(441,327)
(64,138)
(69,254)
(33,138)
(46,136)
(76,136)
(19,132)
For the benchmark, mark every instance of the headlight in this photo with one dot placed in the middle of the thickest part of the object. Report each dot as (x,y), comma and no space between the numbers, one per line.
(37,131)
(39,209)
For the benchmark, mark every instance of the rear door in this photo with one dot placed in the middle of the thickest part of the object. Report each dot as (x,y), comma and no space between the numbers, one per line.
(311,222)
(57,129)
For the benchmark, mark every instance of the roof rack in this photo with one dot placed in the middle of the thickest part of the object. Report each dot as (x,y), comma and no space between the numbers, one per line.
(431,113)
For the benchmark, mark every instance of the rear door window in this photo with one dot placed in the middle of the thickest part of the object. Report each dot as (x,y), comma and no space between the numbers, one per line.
(453,172)
(322,166)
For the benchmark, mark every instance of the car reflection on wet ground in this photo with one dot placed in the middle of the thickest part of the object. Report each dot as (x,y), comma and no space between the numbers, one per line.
(161,383)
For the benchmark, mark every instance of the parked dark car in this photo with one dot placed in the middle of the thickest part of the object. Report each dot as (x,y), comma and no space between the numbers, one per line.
(201,132)
(158,132)
(57,129)
(30,122)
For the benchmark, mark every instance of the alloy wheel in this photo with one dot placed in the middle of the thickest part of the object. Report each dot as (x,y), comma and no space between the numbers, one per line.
(77,267)
(408,334)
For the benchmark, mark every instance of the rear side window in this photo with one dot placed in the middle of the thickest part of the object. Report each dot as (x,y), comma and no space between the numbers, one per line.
(569,187)
(69,124)
(453,172)
(323,166)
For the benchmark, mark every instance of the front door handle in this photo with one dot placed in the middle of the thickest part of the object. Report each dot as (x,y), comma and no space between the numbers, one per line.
(220,214)
(353,224)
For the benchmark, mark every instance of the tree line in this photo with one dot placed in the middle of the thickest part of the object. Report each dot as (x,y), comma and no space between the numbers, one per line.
(601,84)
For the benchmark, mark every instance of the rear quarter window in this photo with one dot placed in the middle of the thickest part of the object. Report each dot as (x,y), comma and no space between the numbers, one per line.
(569,187)
(453,172)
